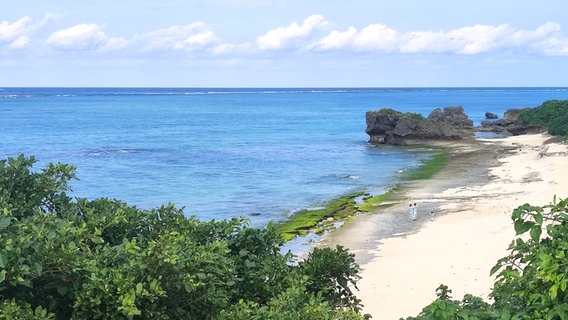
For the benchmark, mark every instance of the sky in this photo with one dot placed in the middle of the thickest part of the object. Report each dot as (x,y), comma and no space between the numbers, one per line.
(283,43)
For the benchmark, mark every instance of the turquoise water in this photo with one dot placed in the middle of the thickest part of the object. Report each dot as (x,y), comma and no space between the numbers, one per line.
(261,153)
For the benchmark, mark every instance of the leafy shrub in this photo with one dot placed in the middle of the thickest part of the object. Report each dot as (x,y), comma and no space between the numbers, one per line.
(444,308)
(552,114)
(11,310)
(559,127)
(104,259)
(332,273)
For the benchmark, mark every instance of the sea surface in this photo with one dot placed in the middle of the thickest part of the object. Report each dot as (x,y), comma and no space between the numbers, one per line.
(224,152)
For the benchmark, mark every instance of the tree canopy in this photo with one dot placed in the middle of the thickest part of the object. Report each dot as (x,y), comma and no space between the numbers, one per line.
(65,258)
(552,114)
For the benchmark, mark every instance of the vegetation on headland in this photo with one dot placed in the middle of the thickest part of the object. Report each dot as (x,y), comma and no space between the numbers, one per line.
(531,281)
(552,114)
(62,258)
(416,117)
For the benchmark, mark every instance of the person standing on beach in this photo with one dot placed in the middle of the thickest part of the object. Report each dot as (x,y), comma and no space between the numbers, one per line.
(410,212)
(414,212)
(432,215)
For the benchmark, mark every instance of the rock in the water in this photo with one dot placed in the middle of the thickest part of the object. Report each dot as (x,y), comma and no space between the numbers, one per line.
(388,126)
(490,115)
(510,124)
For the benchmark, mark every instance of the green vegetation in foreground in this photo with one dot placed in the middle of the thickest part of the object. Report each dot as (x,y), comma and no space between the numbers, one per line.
(305,221)
(62,258)
(552,114)
(430,167)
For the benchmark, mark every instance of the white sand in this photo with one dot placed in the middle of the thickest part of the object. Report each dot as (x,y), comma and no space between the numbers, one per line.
(470,232)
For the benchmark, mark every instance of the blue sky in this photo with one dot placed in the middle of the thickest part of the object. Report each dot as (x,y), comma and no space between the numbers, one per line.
(283,43)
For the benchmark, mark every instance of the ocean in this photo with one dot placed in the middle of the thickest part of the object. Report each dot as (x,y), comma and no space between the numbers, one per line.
(262,153)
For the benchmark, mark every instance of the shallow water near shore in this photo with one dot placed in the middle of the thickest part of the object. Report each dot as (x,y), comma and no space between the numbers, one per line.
(221,153)
(468,164)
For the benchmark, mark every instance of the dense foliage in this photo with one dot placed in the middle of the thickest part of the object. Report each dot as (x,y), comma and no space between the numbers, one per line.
(64,258)
(551,114)
(531,281)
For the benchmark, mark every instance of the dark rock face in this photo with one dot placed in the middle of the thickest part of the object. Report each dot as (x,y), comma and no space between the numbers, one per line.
(490,115)
(453,116)
(510,124)
(388,126)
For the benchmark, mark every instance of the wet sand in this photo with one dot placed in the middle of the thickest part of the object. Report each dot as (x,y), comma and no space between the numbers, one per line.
(472,198)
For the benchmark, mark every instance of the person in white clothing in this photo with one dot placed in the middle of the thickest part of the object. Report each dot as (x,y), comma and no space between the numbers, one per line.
(414,212)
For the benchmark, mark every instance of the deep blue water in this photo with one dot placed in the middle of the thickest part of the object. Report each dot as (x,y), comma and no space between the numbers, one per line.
(228,152)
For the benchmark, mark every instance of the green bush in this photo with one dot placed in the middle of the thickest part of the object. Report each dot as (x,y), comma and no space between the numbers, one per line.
(102,259)
(552,114)
(559,127)
(333,274)
(11,310)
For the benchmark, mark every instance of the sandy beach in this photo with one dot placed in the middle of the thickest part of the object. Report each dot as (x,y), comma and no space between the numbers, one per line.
(472,199)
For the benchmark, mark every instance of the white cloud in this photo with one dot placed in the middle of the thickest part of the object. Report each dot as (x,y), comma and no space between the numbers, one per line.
(79,37)
(553,46)
(18,34)
(224,49)
(337,39)
(283,37)
(20,43)
(376,37)
(423,41)
(549,29)
(476,39)
(10,31)
(15,34)
(469,40)
(178,37)
(546,39)
(85,37)
(114,44)
(312,34)
(228,49)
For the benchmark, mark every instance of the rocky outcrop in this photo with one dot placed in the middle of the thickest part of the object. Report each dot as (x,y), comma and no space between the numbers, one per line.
(491,115)
(388,126)
(510,124)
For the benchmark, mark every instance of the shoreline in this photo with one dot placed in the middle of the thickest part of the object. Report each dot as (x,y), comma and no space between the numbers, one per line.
(402,263)
(307,228)
(389,218)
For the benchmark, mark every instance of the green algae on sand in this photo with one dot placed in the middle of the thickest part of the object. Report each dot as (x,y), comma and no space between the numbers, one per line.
(339,209)
(430,167)
(307,220)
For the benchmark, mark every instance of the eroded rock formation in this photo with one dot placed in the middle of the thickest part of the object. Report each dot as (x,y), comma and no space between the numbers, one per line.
(388,126)
(509,124)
